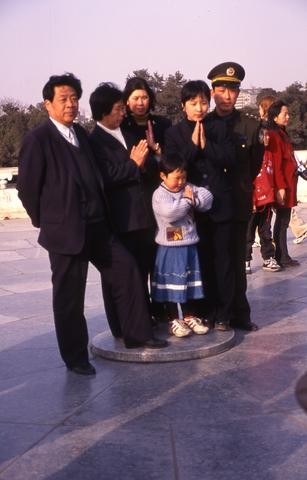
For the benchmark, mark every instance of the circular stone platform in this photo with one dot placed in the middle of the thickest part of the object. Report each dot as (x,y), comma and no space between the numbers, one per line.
(195,346)
(301,392)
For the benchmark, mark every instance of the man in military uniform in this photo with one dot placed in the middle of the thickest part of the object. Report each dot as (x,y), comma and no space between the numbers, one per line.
(244,131)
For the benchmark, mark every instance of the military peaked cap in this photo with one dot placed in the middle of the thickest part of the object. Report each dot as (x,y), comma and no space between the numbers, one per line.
(229,74)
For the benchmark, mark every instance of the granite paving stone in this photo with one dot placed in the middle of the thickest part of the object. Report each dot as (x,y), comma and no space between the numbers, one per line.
(239,414)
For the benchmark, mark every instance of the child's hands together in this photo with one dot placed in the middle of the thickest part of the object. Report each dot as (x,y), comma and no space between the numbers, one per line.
(188,193)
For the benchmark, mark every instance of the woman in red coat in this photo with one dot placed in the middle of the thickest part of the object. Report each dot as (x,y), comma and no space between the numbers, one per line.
(285,178)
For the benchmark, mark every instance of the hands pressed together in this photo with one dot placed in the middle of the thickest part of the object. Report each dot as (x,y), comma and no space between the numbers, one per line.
(151,139)
(139,152)
(188,193)
(198,136)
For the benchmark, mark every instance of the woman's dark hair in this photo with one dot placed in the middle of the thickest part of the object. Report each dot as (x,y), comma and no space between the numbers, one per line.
(61,80)
(138,83)
(170,163)
(103,98)
(273,112)
(193,88)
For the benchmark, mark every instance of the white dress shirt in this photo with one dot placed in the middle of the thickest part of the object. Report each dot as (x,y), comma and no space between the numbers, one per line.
(67,132)
(117,133)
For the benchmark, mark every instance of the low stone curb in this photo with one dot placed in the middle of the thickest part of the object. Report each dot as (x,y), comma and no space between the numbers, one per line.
(179,349)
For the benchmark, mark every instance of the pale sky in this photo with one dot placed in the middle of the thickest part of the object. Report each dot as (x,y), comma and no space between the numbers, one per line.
(105,40)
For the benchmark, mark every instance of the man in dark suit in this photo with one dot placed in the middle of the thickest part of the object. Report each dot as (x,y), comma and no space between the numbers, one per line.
(244,131)
(62,192)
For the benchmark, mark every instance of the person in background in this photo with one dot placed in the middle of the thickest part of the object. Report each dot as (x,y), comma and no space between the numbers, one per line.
(244,132)
(262,216)
(177,277)
(210,157)
(63,194)
(130,174)
(298,227)
(285,179)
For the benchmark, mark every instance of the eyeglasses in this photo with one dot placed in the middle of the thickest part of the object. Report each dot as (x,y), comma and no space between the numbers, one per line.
(117,109)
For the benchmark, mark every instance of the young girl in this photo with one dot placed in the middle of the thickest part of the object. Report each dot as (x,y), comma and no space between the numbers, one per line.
(176,278)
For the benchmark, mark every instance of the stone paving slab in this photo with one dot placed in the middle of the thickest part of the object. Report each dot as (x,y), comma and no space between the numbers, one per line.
(235,415)
(7,256)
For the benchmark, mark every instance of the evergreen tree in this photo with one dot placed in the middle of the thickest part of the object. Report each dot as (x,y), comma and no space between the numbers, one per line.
(16,120)
(13,126)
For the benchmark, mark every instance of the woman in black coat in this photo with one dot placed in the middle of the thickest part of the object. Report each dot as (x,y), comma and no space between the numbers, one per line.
(210,156)
(139,121)
(130,176)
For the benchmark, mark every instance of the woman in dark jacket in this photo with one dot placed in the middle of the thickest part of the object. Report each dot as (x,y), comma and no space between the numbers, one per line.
(285,178)
(140,122)
(210,156)
(130,176)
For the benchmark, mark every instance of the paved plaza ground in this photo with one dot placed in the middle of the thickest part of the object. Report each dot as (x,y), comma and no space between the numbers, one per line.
(233,416)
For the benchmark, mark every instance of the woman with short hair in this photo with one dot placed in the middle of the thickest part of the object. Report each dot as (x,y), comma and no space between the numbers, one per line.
(130,176)
(210,156)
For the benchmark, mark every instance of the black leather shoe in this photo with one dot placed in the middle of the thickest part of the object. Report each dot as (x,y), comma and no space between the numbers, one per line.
(151,343)
(208,322)
(247,326)
(83,369)
(222,327)
(156,343)
(290,263)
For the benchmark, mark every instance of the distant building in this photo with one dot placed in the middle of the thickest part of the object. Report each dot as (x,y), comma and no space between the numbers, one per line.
(82,117)
(247,97)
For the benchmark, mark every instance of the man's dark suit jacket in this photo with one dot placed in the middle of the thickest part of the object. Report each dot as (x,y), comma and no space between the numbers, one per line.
(128,188)
(50,187)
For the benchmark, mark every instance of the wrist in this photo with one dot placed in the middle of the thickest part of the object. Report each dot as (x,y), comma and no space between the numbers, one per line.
(156,149)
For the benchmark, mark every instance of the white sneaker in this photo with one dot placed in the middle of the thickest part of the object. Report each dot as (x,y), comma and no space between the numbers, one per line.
(300,239)
(196,325)
(271,265)
(179,328)
(248,269)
